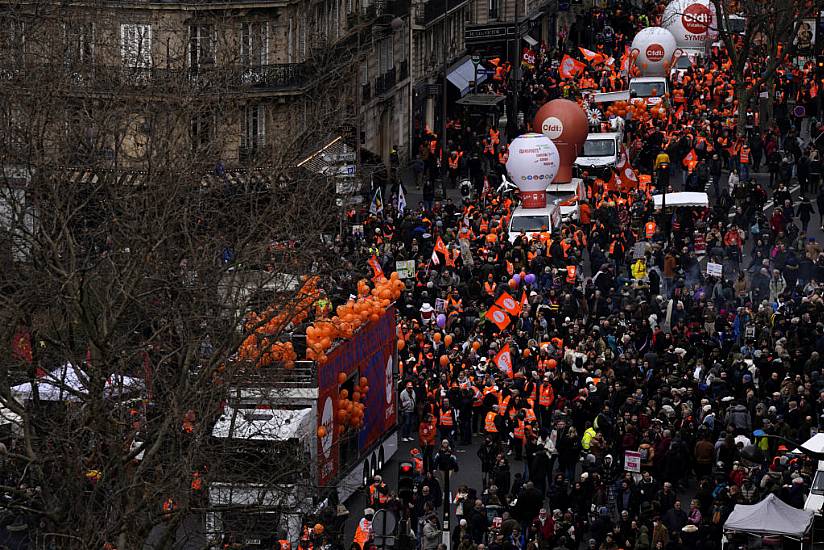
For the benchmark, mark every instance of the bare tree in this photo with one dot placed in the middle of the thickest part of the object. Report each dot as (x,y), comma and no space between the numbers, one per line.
(144,216)
(769,27)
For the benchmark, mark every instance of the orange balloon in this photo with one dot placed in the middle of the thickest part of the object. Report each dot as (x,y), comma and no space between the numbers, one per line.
(322,431)
(448,340)
(401,345)
(437,337)
(552,363)
(363,382)
(344,394)
(444,360)
(356,396)
(476,345)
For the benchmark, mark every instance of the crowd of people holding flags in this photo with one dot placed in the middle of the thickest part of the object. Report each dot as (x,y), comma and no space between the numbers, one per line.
(619,370)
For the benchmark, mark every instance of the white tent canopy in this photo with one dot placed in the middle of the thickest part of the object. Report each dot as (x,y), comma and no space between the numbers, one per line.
(64,383)
(675,200)
(771,516)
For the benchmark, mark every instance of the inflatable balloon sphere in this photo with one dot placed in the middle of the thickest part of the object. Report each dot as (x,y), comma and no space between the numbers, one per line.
(532,165)
(653,49)
(565,123)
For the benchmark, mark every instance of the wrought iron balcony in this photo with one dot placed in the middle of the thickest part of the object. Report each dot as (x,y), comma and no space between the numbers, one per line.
(385,82)
(112,78)
(433,9)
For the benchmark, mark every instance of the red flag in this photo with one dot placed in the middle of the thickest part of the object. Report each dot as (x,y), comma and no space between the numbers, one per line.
(21,346)
(570,67)
(498,316)
(377,270)
(524,300)
(503,359)
(612,184)
(508,303)
(692,156)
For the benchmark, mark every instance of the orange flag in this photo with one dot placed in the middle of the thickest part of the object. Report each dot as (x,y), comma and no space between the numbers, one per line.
(377,271)
(594,58)
(524,300)
(503,359)
(570,67)
(441,247)
(508,303)
(498,316)
(692,156)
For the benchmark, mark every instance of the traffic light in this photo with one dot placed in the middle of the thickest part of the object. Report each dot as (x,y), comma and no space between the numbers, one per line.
(406,480)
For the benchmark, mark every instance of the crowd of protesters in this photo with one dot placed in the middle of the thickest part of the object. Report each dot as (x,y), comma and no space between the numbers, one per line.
(614,337)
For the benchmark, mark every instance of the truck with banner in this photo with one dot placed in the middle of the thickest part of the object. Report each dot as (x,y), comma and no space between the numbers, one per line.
(299,415)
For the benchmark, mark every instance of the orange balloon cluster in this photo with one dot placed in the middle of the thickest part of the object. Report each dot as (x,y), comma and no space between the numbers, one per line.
(261,347)
(369,306)
(350,408)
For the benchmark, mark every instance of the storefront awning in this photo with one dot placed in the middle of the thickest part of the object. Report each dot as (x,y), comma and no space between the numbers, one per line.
(462,73)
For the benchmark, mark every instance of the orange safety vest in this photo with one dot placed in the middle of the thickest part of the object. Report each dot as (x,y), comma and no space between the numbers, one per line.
(503,157)
(530,415)
(381,498)
(446,419)
(362,532)
(477,396)
(502,404)
(495,135)
(571,273)
(490,288)
(453,162)
(649,229)
(547,395)
(745,155)
(489,423)
(284,544)
(518,432)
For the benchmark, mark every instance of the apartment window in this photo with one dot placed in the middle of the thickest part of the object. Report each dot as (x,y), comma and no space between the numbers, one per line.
(290,50)
(253,138)
(202,131)
(386,56)
(494,6)
(78,38)
(202,42)
(136,45)
(254,44)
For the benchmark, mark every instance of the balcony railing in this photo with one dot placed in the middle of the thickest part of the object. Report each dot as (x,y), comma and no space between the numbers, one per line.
(110,78)
(434,9)
(385,82)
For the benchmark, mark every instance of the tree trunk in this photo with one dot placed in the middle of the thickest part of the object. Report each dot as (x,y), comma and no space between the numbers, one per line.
(742,94)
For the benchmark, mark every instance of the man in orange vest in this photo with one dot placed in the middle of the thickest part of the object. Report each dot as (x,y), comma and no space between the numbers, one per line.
(446,421)
(363,534)
(744,161)
(378,493)
(649,229)
(454,168)
(546,398)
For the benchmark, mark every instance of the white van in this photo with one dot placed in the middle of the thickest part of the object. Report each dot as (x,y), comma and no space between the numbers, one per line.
(600,154)
(534,220)
(649,88)
(567,196)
